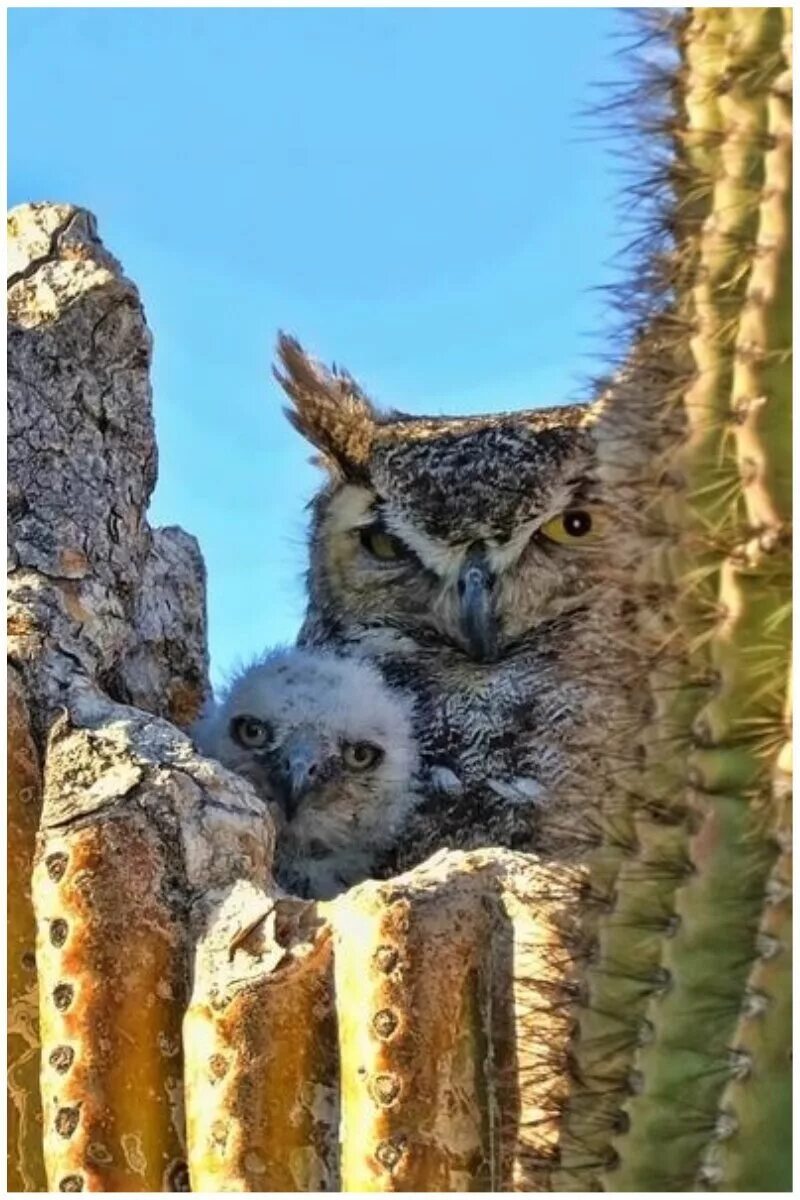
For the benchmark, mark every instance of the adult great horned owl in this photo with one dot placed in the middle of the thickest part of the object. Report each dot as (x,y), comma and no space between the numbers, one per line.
(460,555)
(330,748)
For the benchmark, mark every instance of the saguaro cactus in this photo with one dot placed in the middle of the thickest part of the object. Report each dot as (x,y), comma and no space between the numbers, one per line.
(488,1020)
(687,1030)
(25,1163)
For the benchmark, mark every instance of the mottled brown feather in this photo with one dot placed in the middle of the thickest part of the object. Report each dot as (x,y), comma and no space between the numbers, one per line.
(330,410)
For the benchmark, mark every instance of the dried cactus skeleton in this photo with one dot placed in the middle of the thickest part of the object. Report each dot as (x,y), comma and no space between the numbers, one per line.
(367,1044)
(488,1020)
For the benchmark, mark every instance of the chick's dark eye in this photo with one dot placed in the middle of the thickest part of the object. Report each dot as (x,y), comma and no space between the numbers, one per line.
(361,756)
(250,732)
(380,544)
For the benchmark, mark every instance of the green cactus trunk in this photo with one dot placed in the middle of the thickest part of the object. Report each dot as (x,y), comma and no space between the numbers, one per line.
(683,1050)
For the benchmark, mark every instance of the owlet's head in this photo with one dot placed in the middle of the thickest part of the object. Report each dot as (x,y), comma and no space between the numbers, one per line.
(323,739)
(467,531)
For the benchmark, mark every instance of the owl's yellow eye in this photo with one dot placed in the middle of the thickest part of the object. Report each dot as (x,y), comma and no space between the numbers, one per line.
(574,527)
(381,544)
(360,756)
(249,732)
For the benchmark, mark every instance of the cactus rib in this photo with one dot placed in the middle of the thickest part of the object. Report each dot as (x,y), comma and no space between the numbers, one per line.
(260,1038)
(719,512)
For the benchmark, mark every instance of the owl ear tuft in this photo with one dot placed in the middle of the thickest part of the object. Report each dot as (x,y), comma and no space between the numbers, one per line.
(330,410)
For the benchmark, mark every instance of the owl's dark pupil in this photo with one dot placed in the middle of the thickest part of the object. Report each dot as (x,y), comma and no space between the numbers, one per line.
(253,729)
(577,524)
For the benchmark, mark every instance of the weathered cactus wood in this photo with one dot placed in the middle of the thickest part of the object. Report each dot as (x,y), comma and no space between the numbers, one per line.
(324,1053)
(261,1053)
(24,800)
(91,585)
(415,1115)
(136,829)
(102,610)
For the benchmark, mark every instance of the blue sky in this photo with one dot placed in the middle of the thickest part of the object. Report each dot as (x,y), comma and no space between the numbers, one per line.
(409,191)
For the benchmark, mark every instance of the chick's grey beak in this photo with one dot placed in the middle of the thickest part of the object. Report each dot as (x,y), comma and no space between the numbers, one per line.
(299,769)
(479,623)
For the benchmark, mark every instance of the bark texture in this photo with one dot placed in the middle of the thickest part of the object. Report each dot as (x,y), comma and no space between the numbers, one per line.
(135,827)
(92,587)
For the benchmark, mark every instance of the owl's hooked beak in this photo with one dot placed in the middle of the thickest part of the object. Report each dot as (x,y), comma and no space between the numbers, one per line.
(479,623)
(300,763)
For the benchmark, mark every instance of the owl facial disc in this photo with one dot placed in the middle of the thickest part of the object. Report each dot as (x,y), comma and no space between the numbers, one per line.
(479,622)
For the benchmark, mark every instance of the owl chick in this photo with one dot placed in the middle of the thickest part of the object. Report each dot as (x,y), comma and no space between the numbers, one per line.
(329,746)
